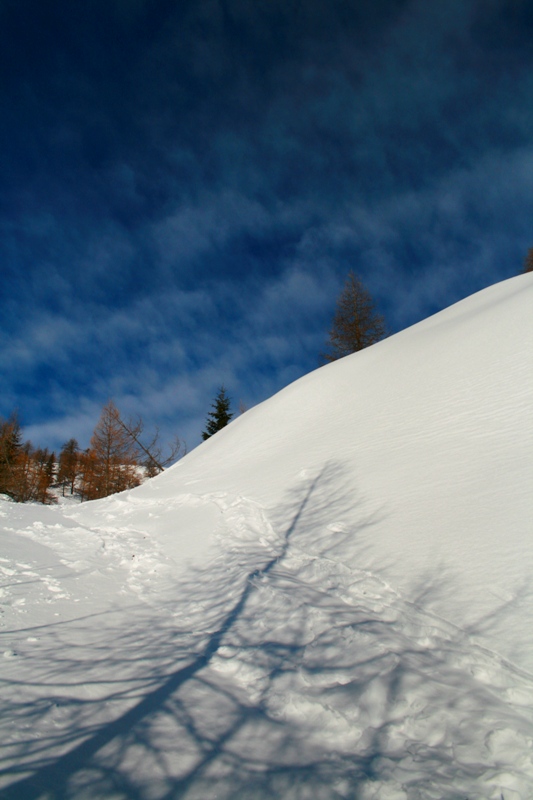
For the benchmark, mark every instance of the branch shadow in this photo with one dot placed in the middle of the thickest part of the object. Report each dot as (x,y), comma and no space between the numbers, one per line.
(301,676)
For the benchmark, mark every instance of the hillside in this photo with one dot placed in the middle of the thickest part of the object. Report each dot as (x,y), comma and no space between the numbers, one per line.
(331,598)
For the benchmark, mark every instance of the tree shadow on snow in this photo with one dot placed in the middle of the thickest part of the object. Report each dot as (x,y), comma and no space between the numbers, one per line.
(291,674)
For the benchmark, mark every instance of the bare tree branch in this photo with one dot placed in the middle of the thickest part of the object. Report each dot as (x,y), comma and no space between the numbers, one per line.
(155,463)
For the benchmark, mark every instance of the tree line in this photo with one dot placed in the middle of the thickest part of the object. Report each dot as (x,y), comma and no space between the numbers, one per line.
(120,456)
(26,473)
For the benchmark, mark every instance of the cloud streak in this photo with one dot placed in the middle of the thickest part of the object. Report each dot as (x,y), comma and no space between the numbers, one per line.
(185,187)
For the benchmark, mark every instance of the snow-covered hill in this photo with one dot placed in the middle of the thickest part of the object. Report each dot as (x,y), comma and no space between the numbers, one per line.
(331,598)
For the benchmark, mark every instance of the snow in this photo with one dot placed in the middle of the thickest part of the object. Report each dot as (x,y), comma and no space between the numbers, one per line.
(331,598)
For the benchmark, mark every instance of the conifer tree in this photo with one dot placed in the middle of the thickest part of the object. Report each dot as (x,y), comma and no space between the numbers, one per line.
(11,471)
(220,416)
(154,456)
(26,477)
(41,472)
(110,465)
(528,262)
(26,474)
(356,323)
(89,475)
(69,465)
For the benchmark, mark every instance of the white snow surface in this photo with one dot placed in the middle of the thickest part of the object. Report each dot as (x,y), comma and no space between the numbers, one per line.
(331,598)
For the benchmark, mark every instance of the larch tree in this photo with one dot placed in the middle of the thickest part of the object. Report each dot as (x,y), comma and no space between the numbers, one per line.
(220,416)
(356,323)
(26,474)
(11,457)
(89,475)
(69,465)
(111,463)
(154,457)
(42,469)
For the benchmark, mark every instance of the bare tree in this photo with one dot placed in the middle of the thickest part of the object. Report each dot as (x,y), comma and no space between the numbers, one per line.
(152,453)
(356,323)
(528,261)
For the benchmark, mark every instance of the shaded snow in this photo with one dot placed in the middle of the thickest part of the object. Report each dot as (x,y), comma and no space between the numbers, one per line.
(331,598)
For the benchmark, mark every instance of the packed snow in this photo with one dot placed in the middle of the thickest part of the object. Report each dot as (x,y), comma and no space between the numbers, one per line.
(330,598)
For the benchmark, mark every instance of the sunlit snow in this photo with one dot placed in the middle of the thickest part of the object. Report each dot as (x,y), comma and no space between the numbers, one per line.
(331,598)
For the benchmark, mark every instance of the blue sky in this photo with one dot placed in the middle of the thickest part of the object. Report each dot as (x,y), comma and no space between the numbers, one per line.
(184,187)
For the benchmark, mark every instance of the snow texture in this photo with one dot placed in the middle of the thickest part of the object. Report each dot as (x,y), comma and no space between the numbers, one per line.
(331,598)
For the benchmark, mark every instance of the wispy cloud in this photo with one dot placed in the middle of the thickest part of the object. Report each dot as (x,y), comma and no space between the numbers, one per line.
(185,187)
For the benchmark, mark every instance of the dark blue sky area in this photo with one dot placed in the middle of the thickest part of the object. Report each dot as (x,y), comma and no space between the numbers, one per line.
(185,185)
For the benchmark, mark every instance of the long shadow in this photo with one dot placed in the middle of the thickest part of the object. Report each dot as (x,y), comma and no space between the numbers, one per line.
(52,778)
(304,677)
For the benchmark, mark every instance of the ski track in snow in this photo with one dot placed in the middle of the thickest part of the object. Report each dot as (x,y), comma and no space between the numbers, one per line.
(376,693)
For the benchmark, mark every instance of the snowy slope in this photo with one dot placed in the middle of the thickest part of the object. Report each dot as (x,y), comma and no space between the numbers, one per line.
(331,598)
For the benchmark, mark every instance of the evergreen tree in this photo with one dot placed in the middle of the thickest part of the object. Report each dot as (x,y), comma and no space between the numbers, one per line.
(356,323)
(220,416)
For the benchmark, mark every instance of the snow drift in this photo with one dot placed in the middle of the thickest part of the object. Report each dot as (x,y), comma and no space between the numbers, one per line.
(331,598)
